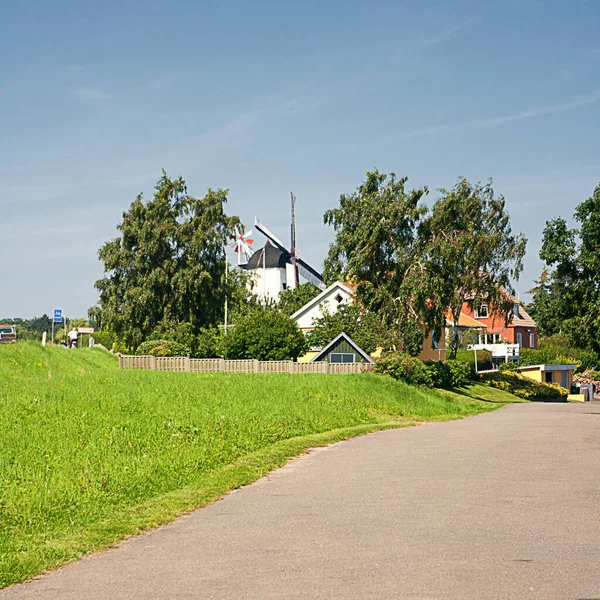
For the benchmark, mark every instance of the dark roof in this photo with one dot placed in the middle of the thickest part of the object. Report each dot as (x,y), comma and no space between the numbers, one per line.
(333,342)
(268,257)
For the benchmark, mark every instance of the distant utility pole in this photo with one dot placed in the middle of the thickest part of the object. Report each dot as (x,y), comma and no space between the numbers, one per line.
(294,250)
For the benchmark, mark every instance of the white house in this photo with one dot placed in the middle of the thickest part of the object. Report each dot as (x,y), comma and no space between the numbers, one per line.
(327,301)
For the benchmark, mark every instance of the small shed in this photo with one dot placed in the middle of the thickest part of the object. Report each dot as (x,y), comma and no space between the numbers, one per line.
(342,350)
(560,374)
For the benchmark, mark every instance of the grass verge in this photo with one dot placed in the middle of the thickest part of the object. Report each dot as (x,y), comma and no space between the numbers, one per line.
(90,455)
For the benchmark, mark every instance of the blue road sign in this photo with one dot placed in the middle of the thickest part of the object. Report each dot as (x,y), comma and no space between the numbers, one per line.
(58,315)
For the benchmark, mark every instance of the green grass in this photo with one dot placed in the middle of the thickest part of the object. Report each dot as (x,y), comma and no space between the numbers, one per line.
(482,392)
(90,454)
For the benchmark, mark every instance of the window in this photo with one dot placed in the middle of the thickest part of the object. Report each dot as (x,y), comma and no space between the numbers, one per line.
(435,344)
(496,338)
(482,339)
(338,298)
(520,339)
(531,340)
(341,357)
(481,312)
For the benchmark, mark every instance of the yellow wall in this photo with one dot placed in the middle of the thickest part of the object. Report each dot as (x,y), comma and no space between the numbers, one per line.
(536,374)
(307,357)
(540,376)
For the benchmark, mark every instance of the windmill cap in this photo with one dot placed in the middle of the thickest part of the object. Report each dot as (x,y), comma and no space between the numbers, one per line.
(274,258)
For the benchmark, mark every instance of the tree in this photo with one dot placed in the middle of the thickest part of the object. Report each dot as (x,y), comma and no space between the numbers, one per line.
(544,306)
(168,264)
(265,335)
(470,252)
(364,327)
(574,288)
(376,246)
(292,299)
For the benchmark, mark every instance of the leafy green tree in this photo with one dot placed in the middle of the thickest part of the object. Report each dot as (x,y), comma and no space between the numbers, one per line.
(292,299)
(168,264)
(470,254)
(574,289)
(364,327)
(375,246)
(265,335)
(543,306)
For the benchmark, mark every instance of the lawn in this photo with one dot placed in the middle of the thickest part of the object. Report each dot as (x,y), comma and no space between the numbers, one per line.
(90,454)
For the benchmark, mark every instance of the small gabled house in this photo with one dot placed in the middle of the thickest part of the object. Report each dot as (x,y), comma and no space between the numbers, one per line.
(342,350)
(327,301)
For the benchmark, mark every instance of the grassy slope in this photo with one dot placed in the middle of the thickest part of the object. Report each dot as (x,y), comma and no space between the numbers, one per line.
(90,454)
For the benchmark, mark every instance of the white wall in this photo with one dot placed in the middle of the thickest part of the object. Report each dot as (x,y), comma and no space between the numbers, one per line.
(267,283)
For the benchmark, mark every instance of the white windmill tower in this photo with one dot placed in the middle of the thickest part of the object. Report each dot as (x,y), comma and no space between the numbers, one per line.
(241,244)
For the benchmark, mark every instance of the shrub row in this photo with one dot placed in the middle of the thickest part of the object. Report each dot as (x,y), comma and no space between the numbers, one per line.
(431,373)
(523,387)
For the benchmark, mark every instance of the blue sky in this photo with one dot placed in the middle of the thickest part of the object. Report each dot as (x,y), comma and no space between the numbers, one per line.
(267,97)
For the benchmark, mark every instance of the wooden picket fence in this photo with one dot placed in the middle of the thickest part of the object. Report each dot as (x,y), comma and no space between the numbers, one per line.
(184,364)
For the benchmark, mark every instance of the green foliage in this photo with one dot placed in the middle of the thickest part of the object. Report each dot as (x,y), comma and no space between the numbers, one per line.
(375,245)
(162,348)
(265,335)
(431,373)
(168,263)
(568,300)
(30,329)
(546,356)
(509,366)
(410,265)
(484,358)
(461,373)
(105,338)
(209,343)
(292,299)
(472,253)
(364,327)
(525,388)
(91,454)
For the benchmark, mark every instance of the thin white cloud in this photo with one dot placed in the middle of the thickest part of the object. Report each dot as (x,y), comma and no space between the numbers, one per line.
(88,93)
(442,37)
(537,111)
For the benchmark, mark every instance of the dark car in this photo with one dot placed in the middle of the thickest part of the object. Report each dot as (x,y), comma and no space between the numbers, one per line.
(8,334)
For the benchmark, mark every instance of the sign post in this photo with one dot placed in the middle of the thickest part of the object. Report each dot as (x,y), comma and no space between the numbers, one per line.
(56,319)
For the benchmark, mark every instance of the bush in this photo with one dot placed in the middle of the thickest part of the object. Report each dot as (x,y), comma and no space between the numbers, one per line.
(461,373)
(523,387)
(208,343)
(484,358)
(432,373)
(105,338)
(406,368)
(162,348)
(265,335)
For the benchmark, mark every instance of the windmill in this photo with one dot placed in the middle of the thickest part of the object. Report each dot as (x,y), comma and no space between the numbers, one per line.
(241,244)
(301,267)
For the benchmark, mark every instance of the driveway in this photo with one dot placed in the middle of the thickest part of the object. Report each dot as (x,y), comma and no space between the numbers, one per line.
(502,505)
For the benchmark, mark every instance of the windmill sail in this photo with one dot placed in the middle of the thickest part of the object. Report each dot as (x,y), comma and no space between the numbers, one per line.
(304,269)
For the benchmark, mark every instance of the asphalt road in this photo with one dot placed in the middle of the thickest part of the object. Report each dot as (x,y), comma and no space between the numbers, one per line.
(502,505)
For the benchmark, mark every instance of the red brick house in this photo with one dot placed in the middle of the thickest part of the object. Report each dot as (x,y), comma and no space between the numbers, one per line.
(521,329)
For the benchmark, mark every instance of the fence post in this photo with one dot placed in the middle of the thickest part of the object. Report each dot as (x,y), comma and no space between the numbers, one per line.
(256,365)
(326,366)
(188,365)
(221,364)
(120,361)
(153,363)
(292,367)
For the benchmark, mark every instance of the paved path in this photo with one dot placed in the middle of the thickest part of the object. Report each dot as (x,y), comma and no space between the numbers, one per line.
(503,505)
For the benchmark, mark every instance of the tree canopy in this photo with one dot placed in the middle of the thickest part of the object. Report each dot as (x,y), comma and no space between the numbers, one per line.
(470,252)
(168,264)
(411,265)
(567,297)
